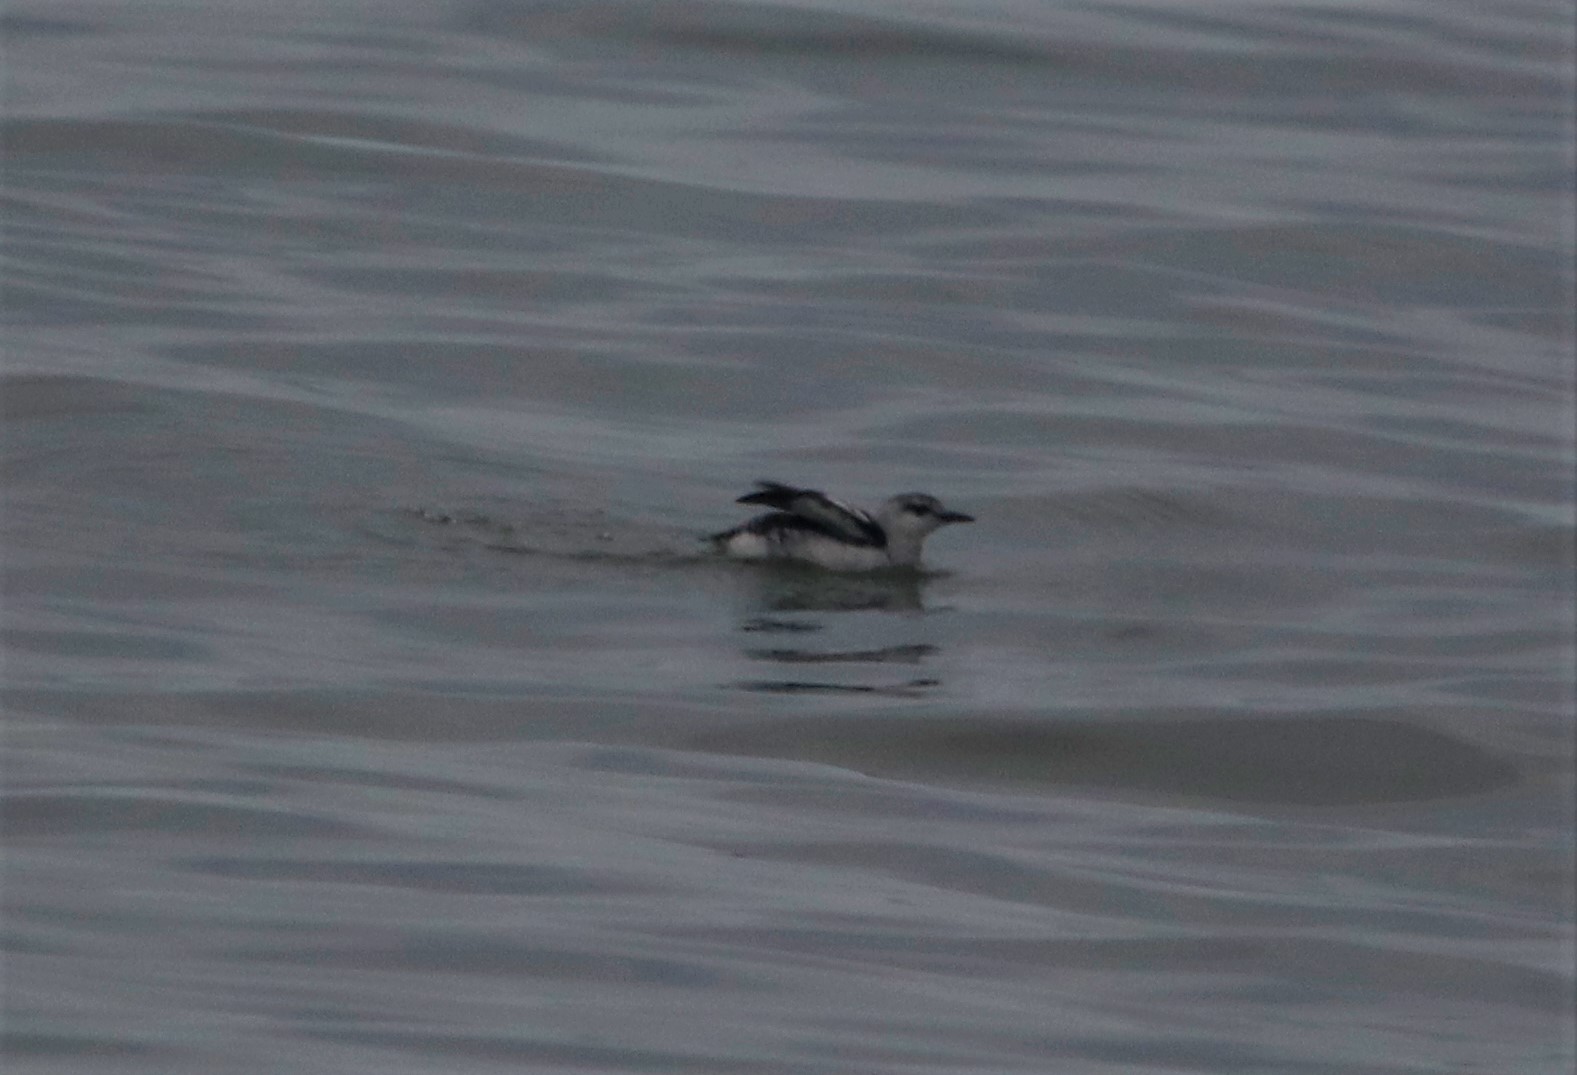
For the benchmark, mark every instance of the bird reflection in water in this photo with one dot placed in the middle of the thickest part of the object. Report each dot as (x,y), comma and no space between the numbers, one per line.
(784,593)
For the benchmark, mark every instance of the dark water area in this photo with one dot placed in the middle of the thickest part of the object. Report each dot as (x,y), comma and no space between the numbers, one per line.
(370,371)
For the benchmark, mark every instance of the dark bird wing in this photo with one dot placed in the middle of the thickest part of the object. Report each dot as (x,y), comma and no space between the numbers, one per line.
(819,509)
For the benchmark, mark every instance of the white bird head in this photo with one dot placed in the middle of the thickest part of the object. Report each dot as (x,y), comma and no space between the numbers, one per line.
(909,517)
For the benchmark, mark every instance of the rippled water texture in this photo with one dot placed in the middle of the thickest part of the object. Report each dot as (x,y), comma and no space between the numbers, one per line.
(371,369)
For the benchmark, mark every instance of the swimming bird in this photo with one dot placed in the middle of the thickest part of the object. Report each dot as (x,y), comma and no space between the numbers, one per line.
(811,527)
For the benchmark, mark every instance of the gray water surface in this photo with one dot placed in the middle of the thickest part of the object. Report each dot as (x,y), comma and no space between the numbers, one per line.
(371,369)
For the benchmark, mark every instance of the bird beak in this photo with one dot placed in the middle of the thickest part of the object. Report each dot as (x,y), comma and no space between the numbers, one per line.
(954,517)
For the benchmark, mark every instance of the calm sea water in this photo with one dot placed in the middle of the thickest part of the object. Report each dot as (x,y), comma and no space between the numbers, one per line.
(370,369)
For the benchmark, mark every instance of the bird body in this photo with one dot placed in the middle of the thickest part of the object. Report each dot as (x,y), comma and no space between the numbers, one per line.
(811,527)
